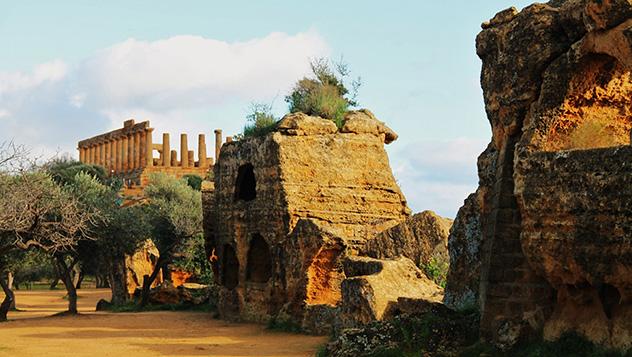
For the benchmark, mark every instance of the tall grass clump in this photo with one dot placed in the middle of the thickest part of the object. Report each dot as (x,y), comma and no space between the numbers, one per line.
(260,121)
(325,94)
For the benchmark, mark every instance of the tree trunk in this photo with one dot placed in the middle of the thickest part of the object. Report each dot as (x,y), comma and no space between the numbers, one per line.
(69,283)
(102,281)
(54,283)
(118,282)
(148,281)
(10,285)
(9,298)
(80,280)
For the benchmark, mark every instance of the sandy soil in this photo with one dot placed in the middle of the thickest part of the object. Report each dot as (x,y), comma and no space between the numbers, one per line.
(29,333)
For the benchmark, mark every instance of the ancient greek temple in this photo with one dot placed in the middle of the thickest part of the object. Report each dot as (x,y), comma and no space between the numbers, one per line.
(129,153)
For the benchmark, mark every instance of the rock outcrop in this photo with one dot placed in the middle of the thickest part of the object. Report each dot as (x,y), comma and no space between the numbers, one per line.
(142,263)
(461,291)
(289,208)
(373,287)
(421,238)
(553,202)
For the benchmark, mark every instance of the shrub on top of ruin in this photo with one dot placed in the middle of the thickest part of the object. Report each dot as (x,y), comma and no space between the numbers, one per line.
(326,94)
(260,121)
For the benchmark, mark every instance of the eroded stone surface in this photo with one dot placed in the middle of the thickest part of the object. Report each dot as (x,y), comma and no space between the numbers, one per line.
(288,208)
(554,182)
(421,238)
(142,263)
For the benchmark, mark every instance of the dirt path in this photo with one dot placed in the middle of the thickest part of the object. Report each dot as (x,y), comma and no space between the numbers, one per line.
(135,334)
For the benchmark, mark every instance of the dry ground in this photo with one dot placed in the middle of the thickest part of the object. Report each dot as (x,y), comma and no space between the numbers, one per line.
(31,333)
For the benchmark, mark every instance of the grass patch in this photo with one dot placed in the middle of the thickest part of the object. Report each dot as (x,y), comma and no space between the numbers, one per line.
(437,270)
(322,351)
(275,324)
(569,344)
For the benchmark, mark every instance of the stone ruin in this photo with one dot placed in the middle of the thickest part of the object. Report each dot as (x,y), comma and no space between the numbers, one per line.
(307,225)
(545,243)
(128,153)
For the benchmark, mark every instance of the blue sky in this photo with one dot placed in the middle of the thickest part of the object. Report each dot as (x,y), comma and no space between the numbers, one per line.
(73,69)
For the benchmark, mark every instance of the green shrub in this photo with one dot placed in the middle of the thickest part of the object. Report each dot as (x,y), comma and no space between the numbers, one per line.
(325,95)
(260,121)
(437,270)
(194,181)
(283,325)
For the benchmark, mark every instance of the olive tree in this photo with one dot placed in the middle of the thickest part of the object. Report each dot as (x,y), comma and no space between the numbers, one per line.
(175,211)
(36,213)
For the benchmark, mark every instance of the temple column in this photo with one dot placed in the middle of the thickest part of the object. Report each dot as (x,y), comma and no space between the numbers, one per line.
(218,143)
(101,154)
(191,158)
(149,148)
(202,150)
(106,162)
(112,156)
(91,155)
(174,158)
(124,154)
(166,150)
(117,155)
(184,151)
(130,152)
(82,155)
(137,149)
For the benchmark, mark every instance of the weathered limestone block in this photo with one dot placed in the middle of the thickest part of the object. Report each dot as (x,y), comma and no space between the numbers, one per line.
(553,199)
(462,288)
(303,124)
(142,263)
(367,297)
(420,238)
(364,122)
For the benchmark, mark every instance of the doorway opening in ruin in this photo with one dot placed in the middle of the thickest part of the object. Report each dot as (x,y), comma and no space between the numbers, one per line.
(259,266)
(610,298)
(230,267)
(324,277)
(595,112)
(246,184)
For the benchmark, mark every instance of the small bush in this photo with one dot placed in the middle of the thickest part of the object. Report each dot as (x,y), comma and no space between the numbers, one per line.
(325,95)
(282,325)
(260,121)
(437,270)
(194,181)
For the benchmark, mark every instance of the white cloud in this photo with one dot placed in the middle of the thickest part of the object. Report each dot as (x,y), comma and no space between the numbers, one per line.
(181,84)
(437,174)
(4,113)
(43,73)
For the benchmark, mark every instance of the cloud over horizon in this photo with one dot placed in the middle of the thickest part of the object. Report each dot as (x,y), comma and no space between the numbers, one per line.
(181,84)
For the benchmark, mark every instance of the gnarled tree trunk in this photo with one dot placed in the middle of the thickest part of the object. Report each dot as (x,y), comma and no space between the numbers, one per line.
(66,277)
(9,299)
(148,280)
(118,281)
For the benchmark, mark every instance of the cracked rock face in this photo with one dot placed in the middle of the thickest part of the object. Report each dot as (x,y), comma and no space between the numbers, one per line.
(287,209)
(554,194)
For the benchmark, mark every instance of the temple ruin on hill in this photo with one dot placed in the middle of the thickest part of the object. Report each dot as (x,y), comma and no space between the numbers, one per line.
(129,154)
(288,218)
(548,233)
